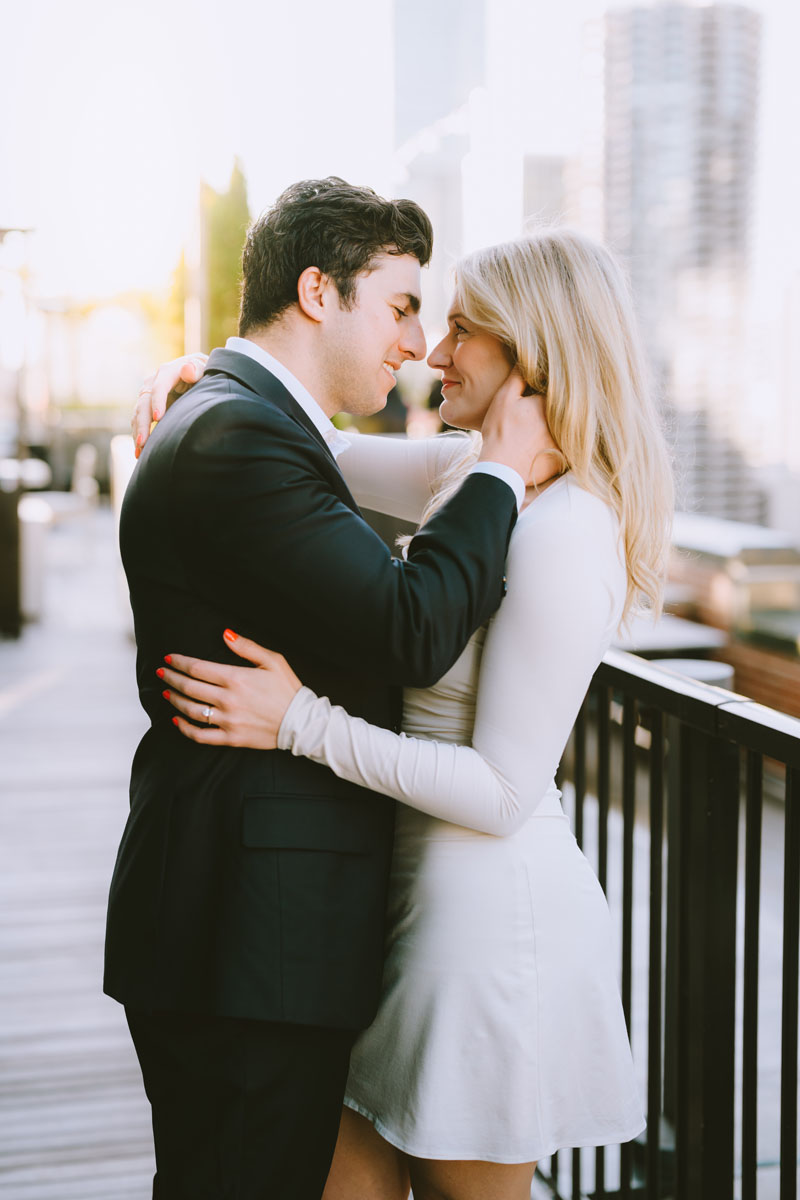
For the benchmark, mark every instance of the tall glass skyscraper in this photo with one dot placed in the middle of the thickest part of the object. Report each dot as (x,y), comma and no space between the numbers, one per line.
(440,56)
(681,101)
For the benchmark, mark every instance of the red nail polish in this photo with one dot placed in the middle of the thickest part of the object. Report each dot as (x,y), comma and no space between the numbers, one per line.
(230,636)
(165,695)
(174,720)
(160,672)
(139,441)
(168,659)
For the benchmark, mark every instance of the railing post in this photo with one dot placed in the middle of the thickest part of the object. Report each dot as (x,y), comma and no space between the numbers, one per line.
(672,765)
(703,1039)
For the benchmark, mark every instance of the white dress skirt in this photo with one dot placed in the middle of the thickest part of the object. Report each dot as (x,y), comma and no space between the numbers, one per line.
(500,1034)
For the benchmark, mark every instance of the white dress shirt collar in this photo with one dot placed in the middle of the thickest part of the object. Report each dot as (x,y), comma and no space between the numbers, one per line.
(335,441)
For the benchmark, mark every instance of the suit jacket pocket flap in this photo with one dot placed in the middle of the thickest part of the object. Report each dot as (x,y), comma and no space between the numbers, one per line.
(308,823)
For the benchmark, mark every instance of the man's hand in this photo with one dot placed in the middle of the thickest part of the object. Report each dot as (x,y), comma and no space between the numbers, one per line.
(515,433)
(162,389)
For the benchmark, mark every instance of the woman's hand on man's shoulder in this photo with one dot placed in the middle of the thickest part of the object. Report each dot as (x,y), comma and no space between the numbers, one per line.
(160,390)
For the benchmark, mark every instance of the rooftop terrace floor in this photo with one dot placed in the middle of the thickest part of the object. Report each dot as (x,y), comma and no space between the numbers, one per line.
(74,1121)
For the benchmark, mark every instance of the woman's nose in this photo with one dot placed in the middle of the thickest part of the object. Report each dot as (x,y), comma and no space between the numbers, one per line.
(439,357)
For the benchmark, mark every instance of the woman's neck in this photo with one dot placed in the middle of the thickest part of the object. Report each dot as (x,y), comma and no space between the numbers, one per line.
(532,490)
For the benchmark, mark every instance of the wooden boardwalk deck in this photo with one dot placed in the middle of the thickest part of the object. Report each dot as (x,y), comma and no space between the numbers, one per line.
(74,1122)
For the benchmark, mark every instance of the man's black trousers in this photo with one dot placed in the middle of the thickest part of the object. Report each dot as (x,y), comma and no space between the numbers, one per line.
(242,1109)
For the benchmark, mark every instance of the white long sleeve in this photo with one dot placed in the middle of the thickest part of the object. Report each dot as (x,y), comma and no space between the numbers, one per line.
(566,588)
(398,476)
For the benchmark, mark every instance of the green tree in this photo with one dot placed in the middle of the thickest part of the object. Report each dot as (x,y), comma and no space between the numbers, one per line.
(173,317)
(226,217)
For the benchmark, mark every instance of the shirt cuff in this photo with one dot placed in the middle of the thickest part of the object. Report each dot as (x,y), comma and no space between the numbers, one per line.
(507,474)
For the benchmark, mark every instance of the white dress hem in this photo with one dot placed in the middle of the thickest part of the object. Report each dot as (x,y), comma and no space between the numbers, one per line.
(471,1155)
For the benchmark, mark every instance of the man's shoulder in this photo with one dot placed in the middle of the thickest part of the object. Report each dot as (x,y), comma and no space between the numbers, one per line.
(219,405)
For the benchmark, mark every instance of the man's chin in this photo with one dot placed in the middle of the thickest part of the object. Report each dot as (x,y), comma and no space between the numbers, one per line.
(366,408)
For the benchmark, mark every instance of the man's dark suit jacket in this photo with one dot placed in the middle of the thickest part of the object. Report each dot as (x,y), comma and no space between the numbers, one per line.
(252,883)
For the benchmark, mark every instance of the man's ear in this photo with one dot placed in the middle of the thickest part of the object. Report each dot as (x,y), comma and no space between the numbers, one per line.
(315,292)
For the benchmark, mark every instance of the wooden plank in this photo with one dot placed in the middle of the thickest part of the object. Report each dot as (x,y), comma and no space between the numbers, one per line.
(74,1120)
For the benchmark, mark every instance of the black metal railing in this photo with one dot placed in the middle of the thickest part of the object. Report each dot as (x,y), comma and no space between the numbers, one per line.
(668,782)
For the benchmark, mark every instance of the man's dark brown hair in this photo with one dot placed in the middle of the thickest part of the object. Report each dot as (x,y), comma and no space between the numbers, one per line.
(329,224)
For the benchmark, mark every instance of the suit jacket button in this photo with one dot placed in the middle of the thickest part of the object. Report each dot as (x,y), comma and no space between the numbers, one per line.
(505,585)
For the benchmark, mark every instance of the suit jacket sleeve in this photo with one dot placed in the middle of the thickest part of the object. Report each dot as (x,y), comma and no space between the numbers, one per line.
(260,503)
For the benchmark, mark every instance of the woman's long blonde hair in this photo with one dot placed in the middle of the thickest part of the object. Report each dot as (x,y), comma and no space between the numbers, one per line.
(562,305)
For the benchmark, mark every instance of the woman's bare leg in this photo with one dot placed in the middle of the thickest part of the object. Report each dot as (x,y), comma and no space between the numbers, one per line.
(470,1180)
(365,1165)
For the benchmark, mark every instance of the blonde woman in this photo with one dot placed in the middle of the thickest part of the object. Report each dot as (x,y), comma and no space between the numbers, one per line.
(500,1037)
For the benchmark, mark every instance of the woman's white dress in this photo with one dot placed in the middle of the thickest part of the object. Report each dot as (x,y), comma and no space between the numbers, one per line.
(500,1034)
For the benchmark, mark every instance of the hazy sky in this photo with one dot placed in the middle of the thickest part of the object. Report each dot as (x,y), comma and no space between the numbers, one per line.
(112,111)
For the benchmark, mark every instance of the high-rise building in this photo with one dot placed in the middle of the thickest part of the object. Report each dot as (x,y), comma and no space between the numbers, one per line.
(440,56)
(681,85)
(461,99)
(439,61)
(544,187)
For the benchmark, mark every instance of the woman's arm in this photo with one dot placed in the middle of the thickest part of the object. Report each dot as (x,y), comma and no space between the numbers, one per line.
(541,651)
(398,475)
(565,592)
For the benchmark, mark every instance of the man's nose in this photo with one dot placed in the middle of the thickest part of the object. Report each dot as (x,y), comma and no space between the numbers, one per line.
(412,342)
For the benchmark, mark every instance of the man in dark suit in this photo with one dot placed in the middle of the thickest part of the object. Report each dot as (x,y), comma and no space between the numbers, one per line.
(246,908)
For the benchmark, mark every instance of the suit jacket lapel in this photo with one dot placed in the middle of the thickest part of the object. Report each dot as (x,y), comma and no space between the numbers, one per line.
(263,383)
